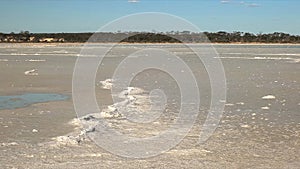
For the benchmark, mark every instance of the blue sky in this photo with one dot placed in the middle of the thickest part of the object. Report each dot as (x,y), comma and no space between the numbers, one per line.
(209,15)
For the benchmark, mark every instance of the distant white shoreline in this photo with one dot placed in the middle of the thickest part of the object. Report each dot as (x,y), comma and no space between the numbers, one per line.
(77,43)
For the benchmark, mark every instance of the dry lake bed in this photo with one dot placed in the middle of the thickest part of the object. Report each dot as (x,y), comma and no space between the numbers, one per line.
(260,126)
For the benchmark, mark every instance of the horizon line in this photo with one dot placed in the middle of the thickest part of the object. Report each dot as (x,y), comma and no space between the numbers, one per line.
(149,32)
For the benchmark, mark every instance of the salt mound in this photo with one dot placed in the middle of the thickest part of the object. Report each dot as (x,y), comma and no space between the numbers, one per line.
(265,108)
(268,97)
(106,84)
(110,112)
(32,72)
(70,140)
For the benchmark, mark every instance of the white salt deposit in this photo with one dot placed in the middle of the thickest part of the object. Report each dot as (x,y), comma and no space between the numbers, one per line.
(268,97)
(32,72)
(9,144)
(35,130)
(294,61)
(35,60)
(130,91)
(229,104)
(265,108)
(110,114)
(60,51)
(132,99)
(245,126)
(89,155)
(112,108)
(66,140)
(106,84)
(75,122)
(263,57)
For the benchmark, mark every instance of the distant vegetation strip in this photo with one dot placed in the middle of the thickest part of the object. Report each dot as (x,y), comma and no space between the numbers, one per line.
(150,37)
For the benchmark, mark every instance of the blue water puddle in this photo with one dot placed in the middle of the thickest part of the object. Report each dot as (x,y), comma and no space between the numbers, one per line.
(19,101)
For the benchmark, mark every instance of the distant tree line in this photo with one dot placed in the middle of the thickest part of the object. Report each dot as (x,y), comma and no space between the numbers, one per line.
(150,37)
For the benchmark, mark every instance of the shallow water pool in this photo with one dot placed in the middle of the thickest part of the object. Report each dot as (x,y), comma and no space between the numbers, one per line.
(19,101)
